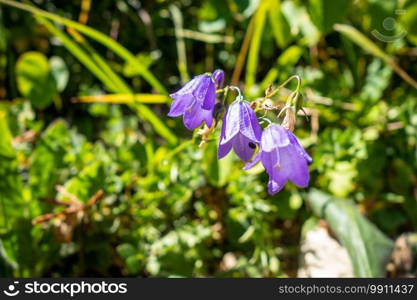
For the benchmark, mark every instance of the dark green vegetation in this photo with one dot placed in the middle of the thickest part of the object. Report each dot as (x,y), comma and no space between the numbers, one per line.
(168,207)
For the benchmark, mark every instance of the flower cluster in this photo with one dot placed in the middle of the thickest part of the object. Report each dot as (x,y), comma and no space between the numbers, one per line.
(276,147)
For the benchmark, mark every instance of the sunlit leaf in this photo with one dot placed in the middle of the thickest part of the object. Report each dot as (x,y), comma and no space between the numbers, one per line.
(369,249)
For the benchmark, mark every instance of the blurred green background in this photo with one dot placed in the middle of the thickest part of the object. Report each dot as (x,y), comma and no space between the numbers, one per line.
(97,181)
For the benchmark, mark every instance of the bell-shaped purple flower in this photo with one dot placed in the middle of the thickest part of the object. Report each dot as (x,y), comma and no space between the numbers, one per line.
(195,100)
(218,77)
(240,131)
(283,158)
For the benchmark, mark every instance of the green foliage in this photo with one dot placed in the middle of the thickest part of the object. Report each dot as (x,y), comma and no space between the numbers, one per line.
(169,207)
(368,248)
(35,80)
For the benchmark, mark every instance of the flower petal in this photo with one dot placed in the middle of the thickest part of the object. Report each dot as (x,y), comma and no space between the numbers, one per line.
(224,149)
(294,166)
(180,103)
(242,147)
(294,141)
(276,183)
(194,116)
(274,136)
(248,122)
(270,161)
(190,86)
(230,126)
(205,92)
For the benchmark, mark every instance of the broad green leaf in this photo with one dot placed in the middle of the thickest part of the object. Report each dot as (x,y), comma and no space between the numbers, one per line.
(368,248)
(35,80)
(326,13)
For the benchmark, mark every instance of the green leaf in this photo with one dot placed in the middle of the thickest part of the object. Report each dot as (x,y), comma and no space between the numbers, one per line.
(369,249)
(133,264)
(247,7)
(379,12)
(95,35)
(217,171)
(10,183)
(59,71)
(126,250)
(47,159)
(342,178)
(326,13)
(98,66)
(6,148)
(255,45)
(409,22)
(35,80)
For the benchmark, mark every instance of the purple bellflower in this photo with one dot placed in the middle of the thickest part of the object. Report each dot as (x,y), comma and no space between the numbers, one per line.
(195,100)
(283,158)
(240,131)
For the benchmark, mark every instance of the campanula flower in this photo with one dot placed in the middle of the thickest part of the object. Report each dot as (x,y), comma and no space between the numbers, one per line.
(195,100)
(218,77)
(240,131)
(283,158)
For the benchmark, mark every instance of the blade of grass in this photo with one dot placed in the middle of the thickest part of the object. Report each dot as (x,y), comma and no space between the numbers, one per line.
(255,45)
(124,99)
(97,36)
(179,34)
(80,54)
(101,63)
(366,44)
(209,38)
(143,111)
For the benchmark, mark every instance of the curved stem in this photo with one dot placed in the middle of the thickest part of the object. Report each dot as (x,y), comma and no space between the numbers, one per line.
(233,87)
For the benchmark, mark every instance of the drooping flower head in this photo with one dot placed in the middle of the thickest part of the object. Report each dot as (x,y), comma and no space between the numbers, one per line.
(240,131)
(195,100)
(283,159)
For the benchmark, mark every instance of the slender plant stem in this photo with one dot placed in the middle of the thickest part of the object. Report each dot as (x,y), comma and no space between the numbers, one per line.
(179,34)
(242,54)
